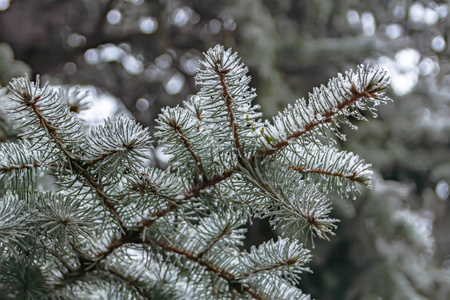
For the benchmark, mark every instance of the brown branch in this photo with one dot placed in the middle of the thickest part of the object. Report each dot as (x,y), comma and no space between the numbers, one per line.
(78,166)
(254,295)
(229,105)
(194,257)
(198,163)
(108,202)
(352,177)
(21,167)
(102,157)
(225,231)
(129,281)
(88,264)
(287,262)
(229,277)
(130,236)
(194,192)
(324,118)
(199,117)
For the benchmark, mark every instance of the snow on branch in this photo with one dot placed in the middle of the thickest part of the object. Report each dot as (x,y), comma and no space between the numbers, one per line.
(111,223)
(45,116)
(225,98)
(19,164)
(117,144)
(344,96)
(336,172)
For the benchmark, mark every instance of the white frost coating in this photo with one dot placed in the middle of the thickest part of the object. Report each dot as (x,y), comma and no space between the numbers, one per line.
(51,106)
(122,137)
(273,253)
(338,171)
(223,71)
(196,210)
(346,95)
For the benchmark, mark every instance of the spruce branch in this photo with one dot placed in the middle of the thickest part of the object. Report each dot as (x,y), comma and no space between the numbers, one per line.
(344,96)
(194,257)
(117,145)
(62,218)
(19,164)
(15,222)
(130,281)
(336,172)
(179,131)
(181,230)
(221,72)
(293,205)
(284,256)
(328,106)
(225,231)
(186,197)
(47,116)
(50,119)
(225,97)
(222,273)
(23,279)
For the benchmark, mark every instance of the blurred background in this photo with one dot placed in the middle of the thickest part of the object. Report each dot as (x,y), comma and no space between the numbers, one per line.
(136,56)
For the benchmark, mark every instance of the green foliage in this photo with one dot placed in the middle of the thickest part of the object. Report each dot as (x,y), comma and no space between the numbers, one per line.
(113,227)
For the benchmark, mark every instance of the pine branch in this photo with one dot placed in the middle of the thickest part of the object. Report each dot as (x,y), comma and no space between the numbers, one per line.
(117,145)
(54,121)
(47,116)
(222,273)
(131,281)
(62,218)
(285,256)
(227,167)
(179,131)
(292,204)
(343,97)
(336,172)
(229,104)
(226,98)
(19,165)
(192,193)
(14,224)
(225,231)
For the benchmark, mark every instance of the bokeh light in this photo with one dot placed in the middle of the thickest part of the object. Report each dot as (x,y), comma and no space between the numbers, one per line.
(113,17)
(148,25)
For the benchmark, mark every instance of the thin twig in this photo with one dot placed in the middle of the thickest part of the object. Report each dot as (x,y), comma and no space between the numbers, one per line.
(324,118)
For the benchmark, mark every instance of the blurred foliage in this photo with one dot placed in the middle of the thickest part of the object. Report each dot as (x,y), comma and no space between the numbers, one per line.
(10,67)
(145,53)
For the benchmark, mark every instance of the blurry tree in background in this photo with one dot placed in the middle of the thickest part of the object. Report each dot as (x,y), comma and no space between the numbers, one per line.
(392,243)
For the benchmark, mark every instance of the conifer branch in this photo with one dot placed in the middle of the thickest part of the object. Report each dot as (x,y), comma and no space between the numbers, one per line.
(6,169)
(130,236)
(227,166)
(194,192)
(31,99)
(224,232)
(101,158)
(229,104)
(352,177)
(198,163)
(224,274)
(98,189)
(254,294)
(129,281)
(285,263)
(194,257)
(121,143)
(320,119)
